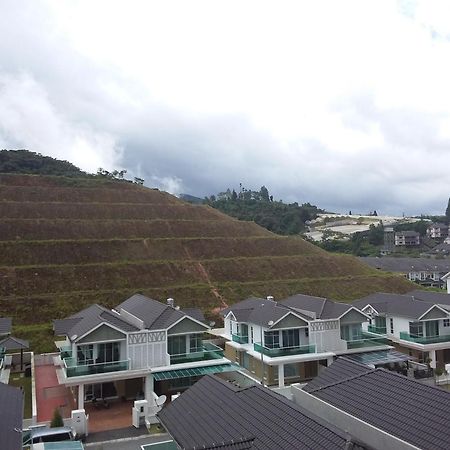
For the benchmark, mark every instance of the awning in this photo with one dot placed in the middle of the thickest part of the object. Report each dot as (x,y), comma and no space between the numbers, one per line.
(194,372)
(379,357)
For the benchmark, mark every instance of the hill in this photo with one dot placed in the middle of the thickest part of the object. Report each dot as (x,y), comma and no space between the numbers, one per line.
(68,242)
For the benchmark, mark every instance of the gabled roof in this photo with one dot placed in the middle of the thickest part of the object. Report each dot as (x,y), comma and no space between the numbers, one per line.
(395,304)
(13,343)
(414,412)
(11,417)
(247,304)
(86,320)
(406,265)
(5,325)
(216,414)
(437,298)
(341,369)
(155,315)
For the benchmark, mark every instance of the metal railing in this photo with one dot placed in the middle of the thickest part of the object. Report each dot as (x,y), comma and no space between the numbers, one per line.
(284,351)
(424,339)
(207,352)
(74,370)
(239,339)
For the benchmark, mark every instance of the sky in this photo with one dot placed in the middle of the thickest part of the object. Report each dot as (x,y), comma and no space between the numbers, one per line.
(343,104)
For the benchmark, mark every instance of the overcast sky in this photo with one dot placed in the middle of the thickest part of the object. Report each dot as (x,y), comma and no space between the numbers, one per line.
(345,104)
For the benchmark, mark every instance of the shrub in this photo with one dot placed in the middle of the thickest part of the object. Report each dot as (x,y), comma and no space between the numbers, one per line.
(57,420)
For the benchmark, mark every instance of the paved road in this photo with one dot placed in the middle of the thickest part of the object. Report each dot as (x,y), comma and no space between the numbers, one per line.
(127,443)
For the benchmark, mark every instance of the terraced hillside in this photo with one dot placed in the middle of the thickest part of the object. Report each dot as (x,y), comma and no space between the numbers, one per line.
(66,243)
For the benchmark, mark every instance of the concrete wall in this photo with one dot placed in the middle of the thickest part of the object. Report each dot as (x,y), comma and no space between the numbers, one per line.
(360,430)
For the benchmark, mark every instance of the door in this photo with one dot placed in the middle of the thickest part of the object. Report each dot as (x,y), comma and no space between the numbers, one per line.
(432,328)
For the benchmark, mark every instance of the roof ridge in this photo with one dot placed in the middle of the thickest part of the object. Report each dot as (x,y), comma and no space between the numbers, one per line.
(353,377)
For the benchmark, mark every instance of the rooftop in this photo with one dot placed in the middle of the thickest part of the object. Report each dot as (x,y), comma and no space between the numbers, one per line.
(11,416)
(216,414)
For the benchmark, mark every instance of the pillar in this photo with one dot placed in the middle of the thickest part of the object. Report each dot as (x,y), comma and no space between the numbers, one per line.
(433,359)
(281,375)
(148,388)
(81,396)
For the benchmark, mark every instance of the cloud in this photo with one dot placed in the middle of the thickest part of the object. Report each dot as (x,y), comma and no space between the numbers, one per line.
(342,104)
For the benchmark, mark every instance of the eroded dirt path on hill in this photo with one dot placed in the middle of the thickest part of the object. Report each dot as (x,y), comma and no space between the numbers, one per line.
(204,274)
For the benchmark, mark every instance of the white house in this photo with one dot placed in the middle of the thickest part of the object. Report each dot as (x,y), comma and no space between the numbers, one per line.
(139,350)
(417,323)
(290,340)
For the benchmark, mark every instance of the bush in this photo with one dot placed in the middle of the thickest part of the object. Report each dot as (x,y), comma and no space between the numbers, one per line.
(57,420)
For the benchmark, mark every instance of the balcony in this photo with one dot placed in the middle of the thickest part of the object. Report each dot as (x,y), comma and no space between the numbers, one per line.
(366,340)
(74,370)
(424,339)
(239,339)
(284,351)
(206,353)
(376,330)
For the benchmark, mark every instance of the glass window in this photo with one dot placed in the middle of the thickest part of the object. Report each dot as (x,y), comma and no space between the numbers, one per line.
(391,323)
(108,352)
(195,343)
(416,329)
(291,370)
(272,339)
(291,338)
(446,322)
(251,335)
(380,322)
(176,345)
(85,354)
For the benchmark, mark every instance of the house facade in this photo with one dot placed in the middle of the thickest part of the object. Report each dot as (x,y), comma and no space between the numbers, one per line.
(291,340)
(415,323)
(142,349)
(407,239)
(437,231)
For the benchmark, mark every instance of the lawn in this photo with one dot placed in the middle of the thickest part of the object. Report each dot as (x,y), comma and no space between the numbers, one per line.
(25,382)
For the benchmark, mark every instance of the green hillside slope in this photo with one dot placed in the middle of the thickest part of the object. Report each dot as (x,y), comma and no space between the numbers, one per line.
(66,243)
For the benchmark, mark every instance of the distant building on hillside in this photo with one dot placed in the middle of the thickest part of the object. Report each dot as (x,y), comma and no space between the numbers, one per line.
(407,239)
(389,240)
(437,231)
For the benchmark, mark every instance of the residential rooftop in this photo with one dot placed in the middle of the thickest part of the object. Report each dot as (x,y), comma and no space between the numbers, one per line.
(216,414)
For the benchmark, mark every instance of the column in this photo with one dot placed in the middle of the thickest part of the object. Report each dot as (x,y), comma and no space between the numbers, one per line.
(148,389)
(281,375)
(433,359)
(81,396)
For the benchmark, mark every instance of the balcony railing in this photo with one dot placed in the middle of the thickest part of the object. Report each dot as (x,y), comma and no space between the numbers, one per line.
(424,339)
(66,351)
(207,352)
(74,370)
(376,330)
(366,341)
(239,339)
(284,351)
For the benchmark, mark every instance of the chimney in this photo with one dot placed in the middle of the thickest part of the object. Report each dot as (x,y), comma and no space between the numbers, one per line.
(171,302)
(270,298)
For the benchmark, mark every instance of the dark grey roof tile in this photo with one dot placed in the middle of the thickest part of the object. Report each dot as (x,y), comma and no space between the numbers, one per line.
(11,416)
(5,325)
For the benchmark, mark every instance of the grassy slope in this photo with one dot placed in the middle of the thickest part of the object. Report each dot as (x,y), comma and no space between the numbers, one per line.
(67,243)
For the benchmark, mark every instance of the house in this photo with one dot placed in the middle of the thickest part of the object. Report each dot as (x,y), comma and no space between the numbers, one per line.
(139,350)
(440,250)
(407,239)
(437,231)
(291,340)
(215,414)
(11,417)
(423,271)
(415,323)
(381,408)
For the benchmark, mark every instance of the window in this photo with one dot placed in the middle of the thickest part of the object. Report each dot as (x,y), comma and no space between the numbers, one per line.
(85,354)
(307,332)
(176,345)
(291,370)
(271,339)
(231,327)
(446,322)
(195,343)
(391,325)
(108,352)
(291,338)
(251,335)
(416,329)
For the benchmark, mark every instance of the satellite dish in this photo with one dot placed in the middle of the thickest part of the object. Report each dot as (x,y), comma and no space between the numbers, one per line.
(161,400)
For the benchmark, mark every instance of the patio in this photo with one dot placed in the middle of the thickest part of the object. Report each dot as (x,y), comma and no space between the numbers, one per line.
(117,415)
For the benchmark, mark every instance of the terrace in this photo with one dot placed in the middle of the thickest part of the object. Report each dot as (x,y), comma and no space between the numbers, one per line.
(73,370)
(404,335)
(366,340)
(376,330)
(284,351)
(240,339)
(206,352)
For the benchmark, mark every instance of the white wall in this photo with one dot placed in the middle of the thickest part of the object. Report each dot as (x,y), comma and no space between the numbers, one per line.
(400,324)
